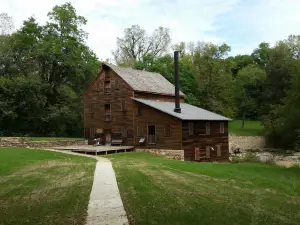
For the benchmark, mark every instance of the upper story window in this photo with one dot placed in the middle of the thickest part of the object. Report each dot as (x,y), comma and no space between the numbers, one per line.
(207,128)
(222,128)
(107,86)
(107,112)
(191,128)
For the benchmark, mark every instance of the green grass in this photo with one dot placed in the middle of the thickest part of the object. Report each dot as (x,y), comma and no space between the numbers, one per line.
(251,128)
(43,187)
(155,190)
(50,138)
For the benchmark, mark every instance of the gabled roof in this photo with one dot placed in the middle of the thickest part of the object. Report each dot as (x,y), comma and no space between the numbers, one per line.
(188,112)
(144,81)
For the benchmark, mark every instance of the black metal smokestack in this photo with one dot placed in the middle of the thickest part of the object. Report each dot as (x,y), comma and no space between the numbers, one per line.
(176,80)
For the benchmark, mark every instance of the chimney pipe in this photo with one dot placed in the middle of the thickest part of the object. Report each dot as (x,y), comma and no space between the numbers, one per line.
(176,80)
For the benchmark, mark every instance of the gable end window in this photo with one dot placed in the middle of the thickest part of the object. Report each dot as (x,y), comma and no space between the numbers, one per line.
(191,128)
(207,128)
(222,128)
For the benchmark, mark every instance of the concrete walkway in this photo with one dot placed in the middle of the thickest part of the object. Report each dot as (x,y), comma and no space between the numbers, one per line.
(105,205)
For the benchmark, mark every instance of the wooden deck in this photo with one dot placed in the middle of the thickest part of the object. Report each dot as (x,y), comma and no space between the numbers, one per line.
(97,150)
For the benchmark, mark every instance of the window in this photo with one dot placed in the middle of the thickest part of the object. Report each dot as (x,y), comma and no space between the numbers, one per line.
(219,150)
(222,128)
(151,135)
(107,112)
(207,128)
(167,130)
(92,110)
(191,128)
(107,86)
(123,105)
(139,110)
(124,132)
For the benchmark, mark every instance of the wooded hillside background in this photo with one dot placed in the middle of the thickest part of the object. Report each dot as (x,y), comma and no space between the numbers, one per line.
(44,69)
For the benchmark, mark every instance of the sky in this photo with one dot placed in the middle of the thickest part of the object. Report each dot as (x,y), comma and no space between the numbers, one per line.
(242,24)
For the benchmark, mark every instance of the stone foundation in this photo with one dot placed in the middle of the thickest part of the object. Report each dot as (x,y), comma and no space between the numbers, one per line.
(246,142)
(170,154)
(20,142)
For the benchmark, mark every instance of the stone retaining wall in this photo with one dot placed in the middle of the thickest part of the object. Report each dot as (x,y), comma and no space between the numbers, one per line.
(246,142)
(20,142)
(170,154)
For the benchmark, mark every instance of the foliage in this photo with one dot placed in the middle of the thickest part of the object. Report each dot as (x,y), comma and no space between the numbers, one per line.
(136,44)
(156,190)
(44,71)
(248,87)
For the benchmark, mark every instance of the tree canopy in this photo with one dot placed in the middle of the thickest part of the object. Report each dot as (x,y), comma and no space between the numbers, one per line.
(44,69)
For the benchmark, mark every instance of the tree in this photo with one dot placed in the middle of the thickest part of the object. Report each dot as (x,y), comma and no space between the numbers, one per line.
(136,44)
(213,74)
(6,24)
(45,72)
(261,54)
(239,62)
(248,86)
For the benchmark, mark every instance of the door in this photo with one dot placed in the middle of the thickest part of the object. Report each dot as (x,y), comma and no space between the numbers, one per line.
(107,138)
(151,135)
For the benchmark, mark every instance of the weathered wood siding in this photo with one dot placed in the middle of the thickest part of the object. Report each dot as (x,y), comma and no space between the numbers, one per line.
(159,97)
(97,97)
(201,140)
(161,121)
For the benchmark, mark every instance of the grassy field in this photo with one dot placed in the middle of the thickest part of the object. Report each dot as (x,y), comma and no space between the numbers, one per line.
(50,138)
(43,187)
(155,190)
(251,128)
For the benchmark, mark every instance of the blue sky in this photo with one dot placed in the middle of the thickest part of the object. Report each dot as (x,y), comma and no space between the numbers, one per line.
(242,24)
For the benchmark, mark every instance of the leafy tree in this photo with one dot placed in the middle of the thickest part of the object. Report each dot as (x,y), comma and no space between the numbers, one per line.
(137,44)
(248,86)
(45,70)
(213,74)
(261,54)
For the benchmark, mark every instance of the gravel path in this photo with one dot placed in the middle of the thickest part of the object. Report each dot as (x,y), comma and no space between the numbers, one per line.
(105,205)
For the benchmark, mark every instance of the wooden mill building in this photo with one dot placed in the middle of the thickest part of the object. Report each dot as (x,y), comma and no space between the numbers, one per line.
(138,108)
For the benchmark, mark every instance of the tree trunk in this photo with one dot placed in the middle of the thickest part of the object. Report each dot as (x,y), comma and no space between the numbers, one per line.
(243,121)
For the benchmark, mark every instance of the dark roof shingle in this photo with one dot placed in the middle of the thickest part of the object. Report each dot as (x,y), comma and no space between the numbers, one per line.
(188,112)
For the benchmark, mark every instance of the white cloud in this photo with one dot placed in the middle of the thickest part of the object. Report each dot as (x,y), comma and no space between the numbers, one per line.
(243,24)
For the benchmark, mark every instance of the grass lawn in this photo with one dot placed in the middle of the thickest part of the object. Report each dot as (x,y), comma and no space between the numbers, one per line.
(44,187)
(155,190)
(251,128)
(50,138)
